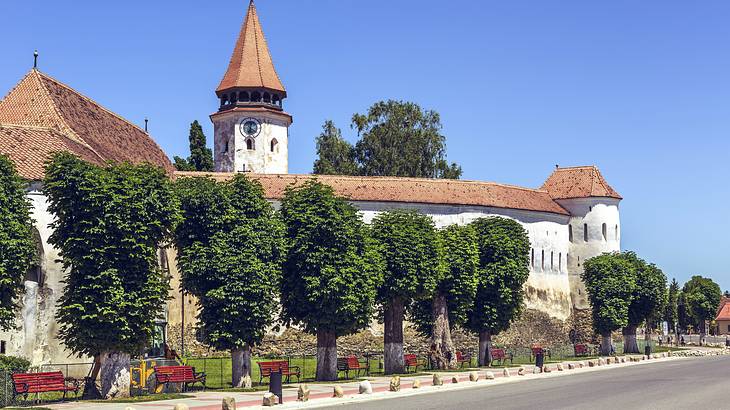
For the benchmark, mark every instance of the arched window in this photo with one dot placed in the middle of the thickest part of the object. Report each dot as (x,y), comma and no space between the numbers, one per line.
(616,232)
(542,263)
(233,98)
(243,96)
(250,144)
(267,98)
(570,233)
(275,99)
(552,261)
(560,262)
(603,231)
(585,232)
(224,99)
(274,145)
(35,272)
(256,96)
(532,257)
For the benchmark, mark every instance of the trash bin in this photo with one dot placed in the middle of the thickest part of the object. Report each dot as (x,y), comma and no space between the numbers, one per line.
(275,385)
(647,350)
(539,360)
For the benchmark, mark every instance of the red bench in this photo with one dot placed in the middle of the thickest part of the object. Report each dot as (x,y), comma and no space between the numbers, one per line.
(501,355)
(582,349)
(350,363)
(462,359)
(28,383)
(265,369)
(179,374)
(537,349)
(411,360)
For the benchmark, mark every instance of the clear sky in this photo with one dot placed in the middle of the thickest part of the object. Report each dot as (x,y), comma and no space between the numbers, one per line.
(640,89)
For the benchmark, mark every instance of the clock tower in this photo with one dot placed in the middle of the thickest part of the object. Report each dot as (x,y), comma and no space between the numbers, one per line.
(251,127)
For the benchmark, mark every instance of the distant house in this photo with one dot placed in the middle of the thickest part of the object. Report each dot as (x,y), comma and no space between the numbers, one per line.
(723,317)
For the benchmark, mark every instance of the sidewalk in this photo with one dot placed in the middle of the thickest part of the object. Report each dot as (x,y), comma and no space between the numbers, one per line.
(321,394)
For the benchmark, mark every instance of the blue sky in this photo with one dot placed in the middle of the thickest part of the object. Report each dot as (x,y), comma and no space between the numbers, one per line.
(640,89)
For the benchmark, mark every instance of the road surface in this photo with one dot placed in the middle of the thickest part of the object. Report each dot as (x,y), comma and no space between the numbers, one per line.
(678,384)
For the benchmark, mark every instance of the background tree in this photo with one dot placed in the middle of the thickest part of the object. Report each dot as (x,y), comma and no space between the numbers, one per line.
(331,272)
(400,139)
(336,155)
(413,267)
(702,296)
(230,254)
(683,318)
(201,157)
(647,300)
(503,270)
(610,282)
(16,240)
(454,294)
(671,311)
(110,223)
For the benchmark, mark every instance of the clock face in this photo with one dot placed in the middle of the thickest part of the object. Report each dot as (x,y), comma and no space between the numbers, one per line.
(250,127)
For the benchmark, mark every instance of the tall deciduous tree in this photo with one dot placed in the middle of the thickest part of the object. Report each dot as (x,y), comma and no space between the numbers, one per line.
(503,270)
(610,282)
(110,223)
(454,294)
(331,272)
(671,313)
(201,157)
(400,139)
(16,240)
(702,296)
(230,255)
(336,155)
(413,268)
(647,300)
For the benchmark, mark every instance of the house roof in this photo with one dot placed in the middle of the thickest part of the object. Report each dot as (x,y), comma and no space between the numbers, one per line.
(251,64)
(578,182)
(724,313)
(415,190)
(56,116)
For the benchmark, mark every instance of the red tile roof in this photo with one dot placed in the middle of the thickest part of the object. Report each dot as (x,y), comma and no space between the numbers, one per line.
(251,63)
(724,313)
(71,121)
(578,182)
(414,190)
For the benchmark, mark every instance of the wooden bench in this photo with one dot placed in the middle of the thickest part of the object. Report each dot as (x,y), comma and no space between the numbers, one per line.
(411,360)
(28,383)
(501,355)
(265,369)
(185,375)
(350,363)
(462,359)
(536,349)
(582,349)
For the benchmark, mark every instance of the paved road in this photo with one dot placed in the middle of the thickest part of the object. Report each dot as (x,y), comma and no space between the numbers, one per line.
(682,384)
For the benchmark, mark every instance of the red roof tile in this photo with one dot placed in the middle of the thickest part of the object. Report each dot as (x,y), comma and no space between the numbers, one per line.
(41,101)
(578,182)
(251,63)
(414,190)
(724,313)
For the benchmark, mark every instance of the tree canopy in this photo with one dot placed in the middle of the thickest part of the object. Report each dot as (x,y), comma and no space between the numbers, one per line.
(201,157)
(397,138)
(702,296)
(17,247)
(110,223)
(671,313)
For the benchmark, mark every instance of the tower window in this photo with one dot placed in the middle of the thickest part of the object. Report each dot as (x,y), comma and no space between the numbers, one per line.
(570,233)
(225,146)
(233,98)
(224,99)
(603,231)
(243,96)
(585,232)
(532,257)
(267,98)
(274,145)
(250,144)
(560,262)
(35,272)
(616,232)
(542,262)
(552,262)
(256,96)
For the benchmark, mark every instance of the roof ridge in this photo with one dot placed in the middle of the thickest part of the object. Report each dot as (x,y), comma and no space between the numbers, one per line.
(254,14)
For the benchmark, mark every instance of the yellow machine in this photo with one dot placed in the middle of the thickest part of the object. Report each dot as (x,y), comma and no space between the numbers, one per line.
(159,354)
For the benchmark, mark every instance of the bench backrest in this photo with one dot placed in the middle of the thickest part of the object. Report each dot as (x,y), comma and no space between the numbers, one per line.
(38,382)
(537,350)
(352,362)
(175,374)
(410,359)
(498,354)
(276,365)
(581,348)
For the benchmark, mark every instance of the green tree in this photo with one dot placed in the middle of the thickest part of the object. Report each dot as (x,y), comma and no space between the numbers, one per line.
(201,157)
(400,139)
(504,249)
(454,294)
(413,267)
(610,281)
(702,296)
(230,255)
(671,313)
(110,224)
(336,155)
(647,300)
(16,240)
(331,272)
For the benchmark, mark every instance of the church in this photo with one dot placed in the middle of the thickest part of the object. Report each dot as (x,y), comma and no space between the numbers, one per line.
(573,216)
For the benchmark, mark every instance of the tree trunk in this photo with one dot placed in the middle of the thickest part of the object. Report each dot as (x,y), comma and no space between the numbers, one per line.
(326,355)
(393,337)
(606,344)
(485,348)
(114,374)
(241,367)
(703,331)
(443,352)
(630,343)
